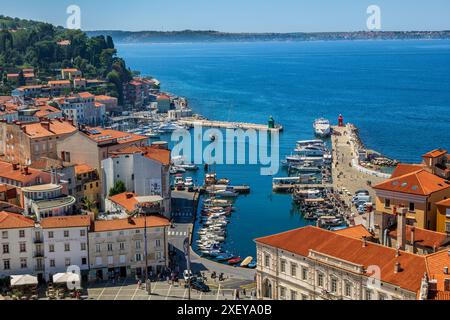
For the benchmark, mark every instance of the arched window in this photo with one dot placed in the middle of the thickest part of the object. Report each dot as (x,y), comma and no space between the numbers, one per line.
(267,289)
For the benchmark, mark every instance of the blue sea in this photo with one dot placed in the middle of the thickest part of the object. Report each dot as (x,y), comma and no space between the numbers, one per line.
(396,92)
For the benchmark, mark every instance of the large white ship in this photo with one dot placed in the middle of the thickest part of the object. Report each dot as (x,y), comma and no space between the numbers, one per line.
(322,127)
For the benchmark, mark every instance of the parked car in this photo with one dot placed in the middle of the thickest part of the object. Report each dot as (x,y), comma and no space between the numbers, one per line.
(361,199)
(199,285)
(362,192)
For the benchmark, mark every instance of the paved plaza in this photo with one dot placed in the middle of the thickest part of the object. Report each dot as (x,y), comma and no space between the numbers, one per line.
(129,290)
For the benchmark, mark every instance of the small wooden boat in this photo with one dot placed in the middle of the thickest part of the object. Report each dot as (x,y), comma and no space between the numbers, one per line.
(225,257)
(246,262)
(234,261)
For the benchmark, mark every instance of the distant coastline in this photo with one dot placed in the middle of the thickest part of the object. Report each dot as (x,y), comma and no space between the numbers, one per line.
(216,36)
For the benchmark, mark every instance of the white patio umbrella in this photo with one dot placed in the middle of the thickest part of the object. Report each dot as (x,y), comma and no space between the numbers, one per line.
(23,280)
(72,279)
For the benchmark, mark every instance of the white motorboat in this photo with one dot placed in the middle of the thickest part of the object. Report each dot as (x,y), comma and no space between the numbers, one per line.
(169,127)
(310,151)
(307,143)
(181,162)
(189,182)
(176,169)
(322,127)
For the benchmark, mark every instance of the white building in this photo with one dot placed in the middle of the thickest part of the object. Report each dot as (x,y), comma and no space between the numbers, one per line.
(143,170)
(66,244)
(117,247)
(17,252)
(82,109)
(315,264)
(47,200)
(125,204)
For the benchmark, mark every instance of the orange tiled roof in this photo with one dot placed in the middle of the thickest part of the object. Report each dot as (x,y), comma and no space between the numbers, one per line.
(65,222)
(45,110)
(163,96)
(56,127)
(163,156)
(435,153)
(103,97)
(301,241)
(436,262)
(14,221)
(86,95)
(357,232)
(83,168)
(126,200)
(403,168)
(132,223)
(444,203)
(7,172)
(59,82)
(70,70)
(419,182)
(102,135)
(423,237)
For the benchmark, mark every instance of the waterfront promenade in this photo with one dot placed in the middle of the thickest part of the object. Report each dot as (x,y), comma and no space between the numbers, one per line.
(346,177)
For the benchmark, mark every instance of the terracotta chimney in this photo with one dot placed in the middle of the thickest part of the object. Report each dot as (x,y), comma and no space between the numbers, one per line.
(413,239)
(129,195)
(401,228)
(397,267)
(364,242)
(15,166)
(26,170)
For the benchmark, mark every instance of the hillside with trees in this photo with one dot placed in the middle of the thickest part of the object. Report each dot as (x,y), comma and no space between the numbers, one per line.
(48,48)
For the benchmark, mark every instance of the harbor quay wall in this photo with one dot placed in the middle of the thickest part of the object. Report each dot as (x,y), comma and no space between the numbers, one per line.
(374,173)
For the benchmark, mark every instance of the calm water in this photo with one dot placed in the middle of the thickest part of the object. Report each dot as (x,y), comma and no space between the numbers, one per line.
(397,92)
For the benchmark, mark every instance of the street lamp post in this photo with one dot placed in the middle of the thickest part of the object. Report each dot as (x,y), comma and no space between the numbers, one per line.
(147,281)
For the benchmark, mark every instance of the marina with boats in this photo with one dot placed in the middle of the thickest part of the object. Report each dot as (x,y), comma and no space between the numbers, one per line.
(319,181)
(218,204)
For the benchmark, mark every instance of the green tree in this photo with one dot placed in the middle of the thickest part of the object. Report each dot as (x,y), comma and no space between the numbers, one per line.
(119,187)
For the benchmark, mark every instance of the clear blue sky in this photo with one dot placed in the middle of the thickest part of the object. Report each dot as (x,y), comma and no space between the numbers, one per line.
(237,15)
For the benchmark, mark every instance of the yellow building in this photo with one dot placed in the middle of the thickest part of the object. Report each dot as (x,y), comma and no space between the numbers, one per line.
(443,216)
(415,188)
(88,188)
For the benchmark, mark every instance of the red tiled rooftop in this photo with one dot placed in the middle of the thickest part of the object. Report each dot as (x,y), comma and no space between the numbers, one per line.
(301,241)
(444,203)
(65,222)
(163,156)
(435,153)
(419,182)
(56,127)
(403,169)
(83,168)
(423,237)
(132,223)
(357,232)
(126,200)
(103,135)
(14,221)
(7,172)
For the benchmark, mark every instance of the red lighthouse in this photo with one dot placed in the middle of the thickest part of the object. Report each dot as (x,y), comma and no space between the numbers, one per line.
(341,120)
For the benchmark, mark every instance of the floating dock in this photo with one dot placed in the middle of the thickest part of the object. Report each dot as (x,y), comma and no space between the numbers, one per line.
(228,125)
(289,188)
